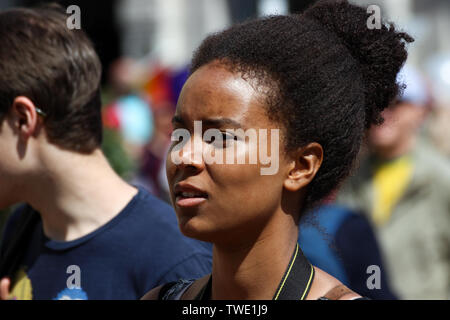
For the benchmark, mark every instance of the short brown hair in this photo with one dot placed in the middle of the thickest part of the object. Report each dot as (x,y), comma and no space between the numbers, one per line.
(58,69)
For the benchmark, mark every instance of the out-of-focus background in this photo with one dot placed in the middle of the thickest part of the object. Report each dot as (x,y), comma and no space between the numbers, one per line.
(146,45)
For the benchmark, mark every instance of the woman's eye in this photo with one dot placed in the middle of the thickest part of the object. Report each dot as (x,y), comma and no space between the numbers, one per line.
(227,138)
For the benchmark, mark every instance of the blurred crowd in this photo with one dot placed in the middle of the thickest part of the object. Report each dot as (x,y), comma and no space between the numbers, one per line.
(397,201)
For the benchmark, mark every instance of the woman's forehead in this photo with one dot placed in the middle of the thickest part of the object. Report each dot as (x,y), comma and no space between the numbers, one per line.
(214,91)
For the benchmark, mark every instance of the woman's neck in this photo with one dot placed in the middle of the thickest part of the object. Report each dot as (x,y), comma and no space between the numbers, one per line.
(254,269)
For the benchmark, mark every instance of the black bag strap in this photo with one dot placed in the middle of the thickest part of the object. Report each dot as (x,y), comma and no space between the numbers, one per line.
(11,256)
(163,290)
(298,278)
(294,285)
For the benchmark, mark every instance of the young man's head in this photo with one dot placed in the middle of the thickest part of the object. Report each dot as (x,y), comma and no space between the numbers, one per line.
(49,92)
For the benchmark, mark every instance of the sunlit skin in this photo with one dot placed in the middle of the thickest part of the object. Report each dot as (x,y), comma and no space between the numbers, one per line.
(231,188)
(251,219)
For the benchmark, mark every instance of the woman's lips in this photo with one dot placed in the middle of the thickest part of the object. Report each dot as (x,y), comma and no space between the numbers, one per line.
(190,197)
(189,202)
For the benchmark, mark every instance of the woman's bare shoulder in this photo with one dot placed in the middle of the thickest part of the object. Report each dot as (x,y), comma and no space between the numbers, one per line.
(325,285)
(152,294)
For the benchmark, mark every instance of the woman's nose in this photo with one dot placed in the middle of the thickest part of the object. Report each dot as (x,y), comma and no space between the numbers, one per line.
(191,155)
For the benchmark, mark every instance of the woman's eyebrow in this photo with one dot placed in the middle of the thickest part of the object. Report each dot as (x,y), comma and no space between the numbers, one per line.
(219,122)
(177,120)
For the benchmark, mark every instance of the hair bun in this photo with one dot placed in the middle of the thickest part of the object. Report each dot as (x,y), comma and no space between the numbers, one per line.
(380,52)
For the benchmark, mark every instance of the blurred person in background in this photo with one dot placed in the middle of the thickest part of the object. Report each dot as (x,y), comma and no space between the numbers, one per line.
(403,184)
(342,242)
(438,128)
(84,233)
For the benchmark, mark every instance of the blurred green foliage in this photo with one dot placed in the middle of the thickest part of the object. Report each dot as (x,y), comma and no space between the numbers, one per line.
(116,155)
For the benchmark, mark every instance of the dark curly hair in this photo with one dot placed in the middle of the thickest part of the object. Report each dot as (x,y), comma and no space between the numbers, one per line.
(329,78)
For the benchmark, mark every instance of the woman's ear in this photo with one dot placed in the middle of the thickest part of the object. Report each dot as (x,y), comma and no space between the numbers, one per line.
(304,166)
(24,117)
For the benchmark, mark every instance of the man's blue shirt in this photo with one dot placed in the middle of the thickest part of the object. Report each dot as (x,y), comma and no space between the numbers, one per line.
(139,249)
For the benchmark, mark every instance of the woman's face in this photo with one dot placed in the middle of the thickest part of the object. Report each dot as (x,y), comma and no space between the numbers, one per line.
(223,202)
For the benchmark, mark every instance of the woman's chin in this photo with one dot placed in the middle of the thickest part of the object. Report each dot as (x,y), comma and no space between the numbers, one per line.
(191,228)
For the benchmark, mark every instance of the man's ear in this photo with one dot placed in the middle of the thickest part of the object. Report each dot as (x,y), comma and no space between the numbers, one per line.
(24,117)
(305,163)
